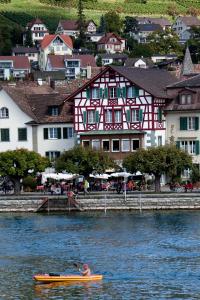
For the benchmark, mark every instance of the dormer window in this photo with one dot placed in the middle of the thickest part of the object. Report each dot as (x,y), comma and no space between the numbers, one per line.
(53,110)
(4,113)
(185,99)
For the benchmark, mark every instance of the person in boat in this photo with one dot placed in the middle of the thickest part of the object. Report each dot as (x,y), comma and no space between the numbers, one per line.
(86,270)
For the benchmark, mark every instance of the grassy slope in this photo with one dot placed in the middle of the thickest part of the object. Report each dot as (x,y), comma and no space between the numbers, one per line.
(22,11)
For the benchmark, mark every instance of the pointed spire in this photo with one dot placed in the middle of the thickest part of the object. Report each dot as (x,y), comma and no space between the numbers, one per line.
(187,67)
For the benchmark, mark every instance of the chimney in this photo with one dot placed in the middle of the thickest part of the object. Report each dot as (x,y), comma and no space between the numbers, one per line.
(89,72)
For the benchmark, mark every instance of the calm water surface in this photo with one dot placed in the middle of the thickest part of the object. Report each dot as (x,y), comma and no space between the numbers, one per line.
(152,255)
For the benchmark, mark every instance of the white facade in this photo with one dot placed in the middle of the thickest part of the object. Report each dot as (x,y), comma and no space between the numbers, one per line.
(38,32)
(181,29)
(57,47)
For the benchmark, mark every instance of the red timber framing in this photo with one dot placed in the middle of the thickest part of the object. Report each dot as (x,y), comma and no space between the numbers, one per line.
(112,102)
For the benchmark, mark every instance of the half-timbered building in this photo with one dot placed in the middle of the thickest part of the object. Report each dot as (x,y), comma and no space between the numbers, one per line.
(121,110)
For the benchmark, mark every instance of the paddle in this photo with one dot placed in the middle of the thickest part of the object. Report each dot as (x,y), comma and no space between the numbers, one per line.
(77,265)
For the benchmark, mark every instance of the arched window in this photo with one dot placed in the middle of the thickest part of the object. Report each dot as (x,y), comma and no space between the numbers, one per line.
(4,113)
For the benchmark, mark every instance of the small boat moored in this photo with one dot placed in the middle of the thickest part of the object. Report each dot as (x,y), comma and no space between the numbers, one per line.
(65,278)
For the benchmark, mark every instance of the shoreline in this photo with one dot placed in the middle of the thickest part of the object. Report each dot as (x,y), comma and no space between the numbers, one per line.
(39,202)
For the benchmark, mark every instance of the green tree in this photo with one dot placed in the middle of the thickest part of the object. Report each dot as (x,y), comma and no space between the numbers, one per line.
(99,61)
(157,161)
(194,44)
(165,42)
(16,164)
(102,25)
(172,10)
(81,23)
(130,25)
(139,50)
(113,22)
(83,161)
(28,39)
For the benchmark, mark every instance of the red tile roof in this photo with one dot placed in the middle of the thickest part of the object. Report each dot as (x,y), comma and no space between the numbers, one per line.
(49,38)
(107,36)
(69,24)
(57,61)
(19,62)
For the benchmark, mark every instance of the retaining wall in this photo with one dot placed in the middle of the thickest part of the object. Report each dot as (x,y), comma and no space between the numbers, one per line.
(102,201)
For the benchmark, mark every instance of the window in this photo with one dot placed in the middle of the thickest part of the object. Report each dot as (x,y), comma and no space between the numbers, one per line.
(96,144)
(188,146)
(5,135)
(135,115)
(106,145)
(125,145)
(22,134)
(4,112)
(115,146)
(95,93)
(108,116)
(118,116)
(185,99)
(68,132)
(160,140)
(112,92)
(91,116)
(132,92)
(135,145)
(191,123)
(52,133)
(52,155)
(53,110)
(85,144)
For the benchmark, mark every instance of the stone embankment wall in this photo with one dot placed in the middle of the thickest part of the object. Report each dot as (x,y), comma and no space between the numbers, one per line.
(101,201)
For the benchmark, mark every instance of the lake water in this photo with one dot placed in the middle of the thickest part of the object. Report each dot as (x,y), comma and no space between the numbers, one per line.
(152,255)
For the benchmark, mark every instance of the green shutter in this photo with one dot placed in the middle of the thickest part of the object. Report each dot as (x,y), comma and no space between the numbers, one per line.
(22,134)
(106,93)
(84,117)
(178,144)
(124,92)
(5,135)
(197,147)
(128,115)
(196,123)
(183,123)
(45,133)
(97,116)
(118,92)
(59,133)
(100,93)
(88,93)
(136,92)
(159,114)
(140,115)
(65,133)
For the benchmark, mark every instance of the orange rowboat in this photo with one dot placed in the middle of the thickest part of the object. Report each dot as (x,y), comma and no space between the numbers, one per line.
(66,278)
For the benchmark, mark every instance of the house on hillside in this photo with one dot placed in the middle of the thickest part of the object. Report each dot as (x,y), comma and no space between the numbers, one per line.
(121,109)
(33,117)
(70,27)
(17,67)
(163,22)
(31,52)
(54,44)
(115,58)
(183,115)
(182,26)
(38,30)
(74,66)
(111,43)
(139,62)
(144,30)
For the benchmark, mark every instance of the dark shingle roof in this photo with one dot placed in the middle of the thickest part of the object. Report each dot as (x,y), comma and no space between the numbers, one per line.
(149,27)
(45,75)
(21,49)
(188,83)
(153,81)
(131,61)
(114,55)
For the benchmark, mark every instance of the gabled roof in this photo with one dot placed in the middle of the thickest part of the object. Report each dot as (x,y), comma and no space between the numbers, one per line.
(193,82)
(49,38)
(58,61)
(19,62)
(130,62)
(88,22)
(149,27)
(34,21)
(161,21)
(107,36)
(153,81)
(190,21)
(34,101)
(69,24)
(24,50)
